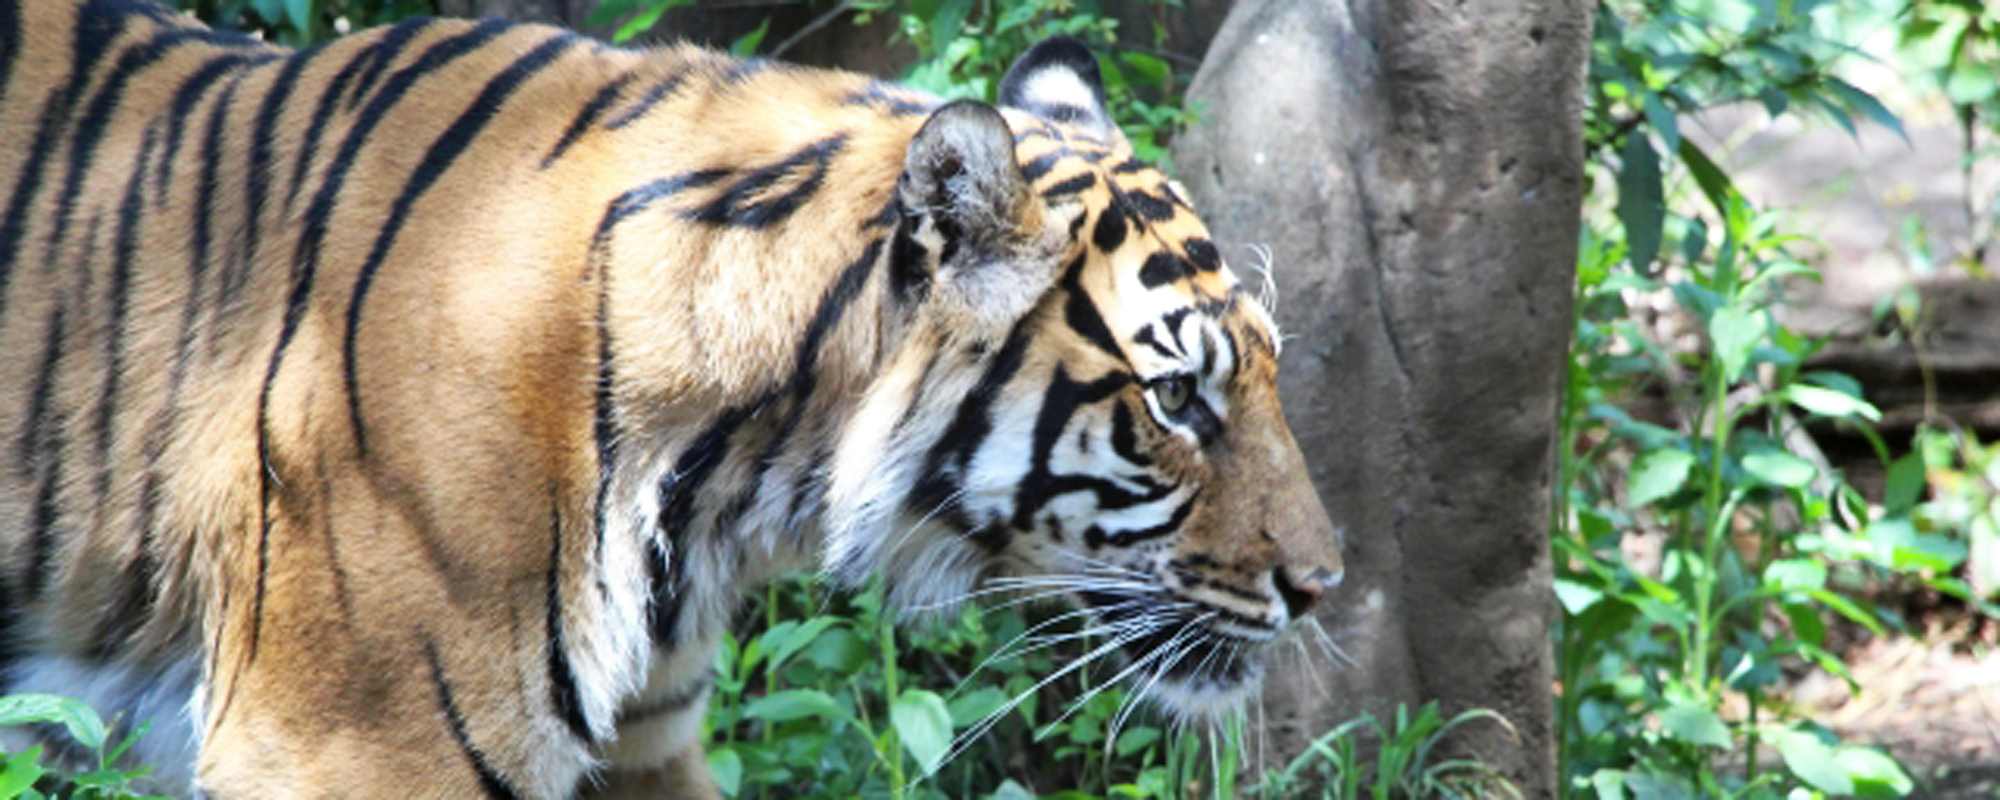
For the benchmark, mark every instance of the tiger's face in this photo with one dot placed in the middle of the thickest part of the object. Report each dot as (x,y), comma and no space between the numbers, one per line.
(1086,406)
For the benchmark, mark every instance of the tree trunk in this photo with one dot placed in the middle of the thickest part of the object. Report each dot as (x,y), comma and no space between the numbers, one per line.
(1417,170)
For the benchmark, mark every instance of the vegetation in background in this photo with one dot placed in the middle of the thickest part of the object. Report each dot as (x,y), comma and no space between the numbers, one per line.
(1706,549)
(25,775)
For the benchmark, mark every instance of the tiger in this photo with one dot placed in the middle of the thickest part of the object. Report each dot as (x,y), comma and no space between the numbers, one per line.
(407,415)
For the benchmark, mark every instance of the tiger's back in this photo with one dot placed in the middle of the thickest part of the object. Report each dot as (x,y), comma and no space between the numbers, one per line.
(424,400)
(194,292)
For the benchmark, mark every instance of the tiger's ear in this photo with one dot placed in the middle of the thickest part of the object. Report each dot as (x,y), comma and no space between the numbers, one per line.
(960,172)
(1058,79)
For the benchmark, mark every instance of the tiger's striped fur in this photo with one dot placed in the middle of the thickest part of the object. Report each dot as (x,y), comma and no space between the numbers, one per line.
(417,406)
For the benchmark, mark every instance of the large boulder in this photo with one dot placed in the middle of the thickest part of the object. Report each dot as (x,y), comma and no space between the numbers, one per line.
(1416,170)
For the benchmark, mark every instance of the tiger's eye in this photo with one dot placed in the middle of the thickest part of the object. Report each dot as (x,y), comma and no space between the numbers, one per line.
(1173,393)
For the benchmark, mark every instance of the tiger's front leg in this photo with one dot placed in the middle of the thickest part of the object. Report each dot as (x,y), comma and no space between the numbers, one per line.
(385,661)
(658,753)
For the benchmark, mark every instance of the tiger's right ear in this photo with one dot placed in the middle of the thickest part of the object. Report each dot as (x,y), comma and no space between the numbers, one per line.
(960,173)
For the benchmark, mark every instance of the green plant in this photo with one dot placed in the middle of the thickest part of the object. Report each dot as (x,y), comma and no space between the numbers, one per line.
(1402,766)
(26,775)
(1701,540)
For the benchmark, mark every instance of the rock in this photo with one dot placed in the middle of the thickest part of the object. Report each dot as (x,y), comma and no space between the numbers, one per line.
(1416,170)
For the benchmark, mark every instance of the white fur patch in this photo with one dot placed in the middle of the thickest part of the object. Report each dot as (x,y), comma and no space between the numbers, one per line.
(1058,86)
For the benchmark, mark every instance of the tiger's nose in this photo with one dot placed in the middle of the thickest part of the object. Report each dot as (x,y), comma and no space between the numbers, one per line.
(1300,592)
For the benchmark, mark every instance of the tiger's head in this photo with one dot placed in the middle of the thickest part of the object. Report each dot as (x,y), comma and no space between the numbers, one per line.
(1084,401)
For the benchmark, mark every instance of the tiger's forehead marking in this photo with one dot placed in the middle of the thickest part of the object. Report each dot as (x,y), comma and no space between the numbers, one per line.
(1151,252)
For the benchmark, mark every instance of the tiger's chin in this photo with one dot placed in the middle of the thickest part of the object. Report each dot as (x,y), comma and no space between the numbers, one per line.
(1200,675)
(1206,699)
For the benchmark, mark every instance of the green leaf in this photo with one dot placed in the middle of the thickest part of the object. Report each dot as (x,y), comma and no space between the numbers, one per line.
(792,704)
(1657,474)
(1609,784)
(837,650)
(83,724)
(785,639)
(300,14)
(1831,403)
(948,22)
(1662,120)
(20,772)
(975,705)
(1779,468)
(1695,725)
(1135,739)
(1874,773)
(1714,183)
(1848,609)
(1813,761)
(1904,485)
(1869,107)
(647,18)
(1641,200)
(727,769)
(1016,15)
(1795,574)
(924,725)
(746,45)
(1152,69)
(1735,331)
(1576,597)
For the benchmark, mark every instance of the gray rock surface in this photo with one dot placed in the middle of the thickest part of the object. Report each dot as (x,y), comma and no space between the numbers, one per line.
(1416,170)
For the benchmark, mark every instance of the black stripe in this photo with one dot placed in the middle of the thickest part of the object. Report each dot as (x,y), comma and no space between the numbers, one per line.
(1149,207)
(257,185)
(306,264)
(36,430)
(392,42)
(1072,185)
(54,441)
(1129,166)
(1162,268)
(589,114)
(678,491)
(121,294)
(1145,337)
(10,46)
(675,701)
(1201,252)
(1124,436)
(204,211)
(879,96)
(1097,537)
(1061,401)
(377,61)
(747,202)
(1081,314)
(490,781)
(605,425)
(1109,233)
(1035,169)
(909,262)
(805,362)
(95,123)
(132,606)
(448,147)
(970,425)
(654,94)
(562,677)
(96,27)
(190,93)
(642,197)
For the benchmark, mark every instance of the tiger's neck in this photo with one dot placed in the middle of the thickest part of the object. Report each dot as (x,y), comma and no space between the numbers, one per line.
(726,404)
